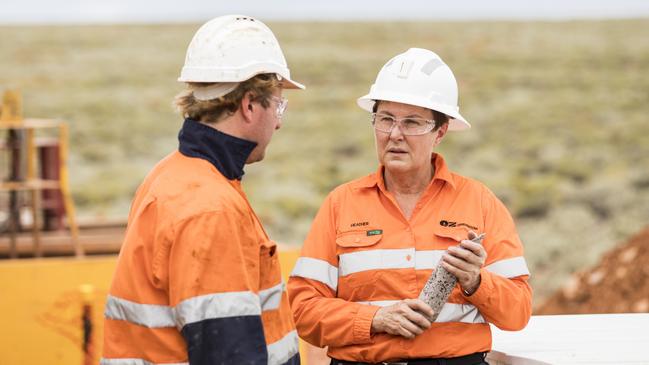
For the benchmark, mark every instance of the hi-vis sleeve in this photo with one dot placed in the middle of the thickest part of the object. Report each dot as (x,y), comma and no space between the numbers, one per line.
(217,310)
(504,296)
(321,318)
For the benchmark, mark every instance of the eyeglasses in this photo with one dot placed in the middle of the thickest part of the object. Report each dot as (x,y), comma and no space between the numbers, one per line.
(409,126)
(282,104)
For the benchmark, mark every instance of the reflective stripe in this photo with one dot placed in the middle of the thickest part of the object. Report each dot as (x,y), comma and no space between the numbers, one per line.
(220,305)
(316,269)
(147,315)
(380,303)
(376,259)
(279,352)
(466,313)
(272,297)
(423,260)
(428,259)
(135,362)
(509,268)
(451,312)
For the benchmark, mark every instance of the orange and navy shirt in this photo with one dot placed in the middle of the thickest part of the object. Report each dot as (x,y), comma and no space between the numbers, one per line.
(198,280)
(362,253)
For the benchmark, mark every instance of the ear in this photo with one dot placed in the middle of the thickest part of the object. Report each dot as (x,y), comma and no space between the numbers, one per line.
(441,132)
(247,108)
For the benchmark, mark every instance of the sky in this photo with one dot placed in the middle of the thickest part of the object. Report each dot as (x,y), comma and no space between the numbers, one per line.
(157,11)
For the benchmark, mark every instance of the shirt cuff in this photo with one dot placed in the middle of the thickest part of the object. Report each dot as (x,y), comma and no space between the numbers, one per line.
(363,323)
(486,286)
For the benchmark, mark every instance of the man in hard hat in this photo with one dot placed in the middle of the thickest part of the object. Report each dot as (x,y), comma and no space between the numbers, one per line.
(198,279)
(375,241)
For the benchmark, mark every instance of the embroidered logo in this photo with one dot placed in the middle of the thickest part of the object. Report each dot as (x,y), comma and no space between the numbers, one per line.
(445,223)
(375,232)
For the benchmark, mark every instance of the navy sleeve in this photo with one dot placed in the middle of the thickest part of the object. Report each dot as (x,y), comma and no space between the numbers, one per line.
(230,340)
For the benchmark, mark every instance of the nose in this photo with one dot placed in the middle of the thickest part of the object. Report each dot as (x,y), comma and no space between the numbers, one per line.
(395,132)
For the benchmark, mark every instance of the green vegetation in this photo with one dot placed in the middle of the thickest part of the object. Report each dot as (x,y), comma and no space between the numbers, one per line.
(559,111)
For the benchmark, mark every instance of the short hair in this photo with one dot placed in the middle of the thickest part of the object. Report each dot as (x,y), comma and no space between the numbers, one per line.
(439,117)
(211,111)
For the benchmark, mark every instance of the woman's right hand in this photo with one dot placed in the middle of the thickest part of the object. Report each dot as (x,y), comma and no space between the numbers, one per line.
(406,318)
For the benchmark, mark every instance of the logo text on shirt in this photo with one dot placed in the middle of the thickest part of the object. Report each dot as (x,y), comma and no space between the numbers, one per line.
(445,223)
(360,224)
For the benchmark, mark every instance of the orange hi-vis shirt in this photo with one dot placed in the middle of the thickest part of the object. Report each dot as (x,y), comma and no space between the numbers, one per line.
(197,280)
(362,253)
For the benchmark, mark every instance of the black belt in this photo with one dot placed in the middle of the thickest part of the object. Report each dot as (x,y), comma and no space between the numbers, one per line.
(473,359)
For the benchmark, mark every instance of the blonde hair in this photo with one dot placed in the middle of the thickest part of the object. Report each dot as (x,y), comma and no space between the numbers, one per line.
(211,111)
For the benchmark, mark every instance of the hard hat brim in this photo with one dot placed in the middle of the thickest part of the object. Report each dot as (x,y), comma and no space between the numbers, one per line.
(213,91)
(290,84)
(457,122)
(195,74)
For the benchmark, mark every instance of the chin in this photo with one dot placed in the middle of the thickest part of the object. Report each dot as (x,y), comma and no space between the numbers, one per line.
(254,158)
(397,165)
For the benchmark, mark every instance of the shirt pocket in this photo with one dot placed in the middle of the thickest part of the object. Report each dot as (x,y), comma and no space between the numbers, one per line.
(357,239)
(450,236)
(269,270)
(356,255)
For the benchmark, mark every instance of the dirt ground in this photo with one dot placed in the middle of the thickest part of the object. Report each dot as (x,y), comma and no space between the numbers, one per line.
(619,283)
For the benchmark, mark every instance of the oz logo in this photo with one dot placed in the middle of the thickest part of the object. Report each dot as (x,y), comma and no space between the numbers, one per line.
(445,223)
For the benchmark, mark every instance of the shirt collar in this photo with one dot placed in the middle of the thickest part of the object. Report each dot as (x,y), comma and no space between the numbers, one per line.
(441,173)
(227,153)
(441,170)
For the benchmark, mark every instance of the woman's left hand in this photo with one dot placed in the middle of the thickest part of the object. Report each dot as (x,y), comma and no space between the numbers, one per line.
(465,261)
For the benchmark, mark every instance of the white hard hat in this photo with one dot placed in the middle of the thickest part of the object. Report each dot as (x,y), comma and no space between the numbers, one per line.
(231,49)
(418,77)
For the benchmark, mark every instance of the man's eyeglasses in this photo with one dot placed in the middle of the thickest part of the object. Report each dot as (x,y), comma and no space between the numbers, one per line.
(282,103)
(409,126)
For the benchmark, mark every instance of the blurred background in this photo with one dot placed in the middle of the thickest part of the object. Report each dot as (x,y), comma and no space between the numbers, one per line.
(557,93)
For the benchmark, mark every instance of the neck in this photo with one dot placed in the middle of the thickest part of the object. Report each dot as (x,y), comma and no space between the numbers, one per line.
(235,125)
(226,152)
(408,182)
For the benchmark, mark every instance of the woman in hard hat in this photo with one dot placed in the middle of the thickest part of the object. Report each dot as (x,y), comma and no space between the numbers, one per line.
(198,279)
(375,241)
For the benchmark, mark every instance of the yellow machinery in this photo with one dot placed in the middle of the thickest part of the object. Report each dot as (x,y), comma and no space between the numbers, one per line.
(51,309)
